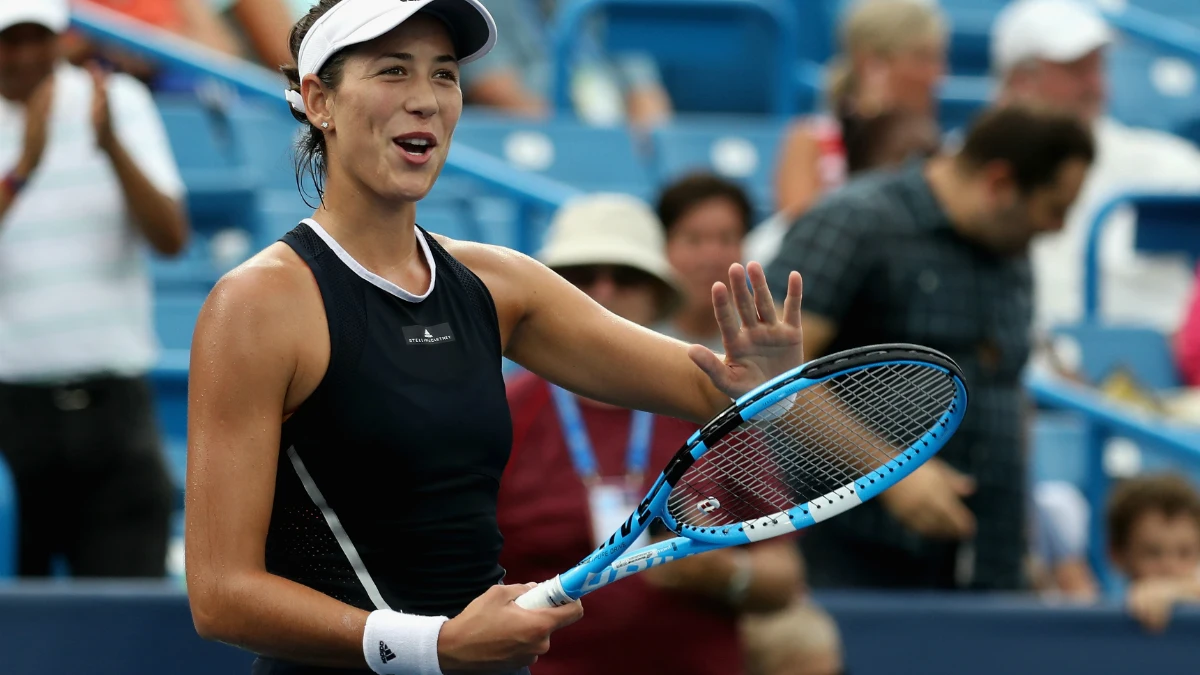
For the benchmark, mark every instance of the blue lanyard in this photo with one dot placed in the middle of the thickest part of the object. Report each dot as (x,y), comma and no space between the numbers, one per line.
(579,445)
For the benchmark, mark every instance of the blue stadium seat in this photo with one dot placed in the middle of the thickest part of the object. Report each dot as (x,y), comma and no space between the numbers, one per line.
(1186,11)
(1058,448)
(1168,224)
(220,187)
(590,158)
(175,318)
(970,23)
(8,522)
(1151,90)
(265,139)
(714,57)
(743,149)
(1143,352)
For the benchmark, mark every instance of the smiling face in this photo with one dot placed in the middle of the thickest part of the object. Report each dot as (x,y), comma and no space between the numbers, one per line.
(394,111)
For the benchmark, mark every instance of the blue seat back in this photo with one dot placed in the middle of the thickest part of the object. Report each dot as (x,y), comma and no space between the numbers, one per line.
(1151,90)
(8,522)
(1143,352)
(175,317)
(590,158)
(741,149)
(1169,225)
(713,56)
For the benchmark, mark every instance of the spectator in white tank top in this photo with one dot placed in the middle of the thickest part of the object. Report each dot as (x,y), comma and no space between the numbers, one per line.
(87,179)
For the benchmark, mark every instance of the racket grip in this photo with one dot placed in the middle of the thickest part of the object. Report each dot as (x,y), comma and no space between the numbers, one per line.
(545,595)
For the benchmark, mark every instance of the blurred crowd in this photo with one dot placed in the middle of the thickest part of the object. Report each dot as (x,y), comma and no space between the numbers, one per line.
(966,240)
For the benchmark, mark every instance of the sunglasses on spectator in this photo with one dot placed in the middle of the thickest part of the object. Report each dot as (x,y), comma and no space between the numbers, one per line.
(583,276)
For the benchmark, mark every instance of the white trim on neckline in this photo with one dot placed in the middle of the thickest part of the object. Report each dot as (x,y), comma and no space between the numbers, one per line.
(369,276)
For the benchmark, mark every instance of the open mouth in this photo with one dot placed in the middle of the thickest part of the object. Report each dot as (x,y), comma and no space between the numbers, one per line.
(416,145)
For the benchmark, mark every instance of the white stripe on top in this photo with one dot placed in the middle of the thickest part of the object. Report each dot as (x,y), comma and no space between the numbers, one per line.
(338,531)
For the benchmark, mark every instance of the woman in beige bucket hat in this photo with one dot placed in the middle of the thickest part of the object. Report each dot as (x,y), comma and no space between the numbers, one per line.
(611,247)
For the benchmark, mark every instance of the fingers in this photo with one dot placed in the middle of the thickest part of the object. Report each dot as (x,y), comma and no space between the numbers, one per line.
(960,520)
(508,592)
(762,295)
(567,614)
(98,75)
(743,299)
(727,318)
(791,303)
(1153,615)
(962,484)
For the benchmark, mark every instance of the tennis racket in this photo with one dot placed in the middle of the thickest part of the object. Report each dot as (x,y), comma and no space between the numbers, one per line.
(800,449)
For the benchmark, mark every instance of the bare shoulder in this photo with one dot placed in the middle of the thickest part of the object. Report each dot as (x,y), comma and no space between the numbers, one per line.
(488,258)
(271,284)
(514,279)
(508,274)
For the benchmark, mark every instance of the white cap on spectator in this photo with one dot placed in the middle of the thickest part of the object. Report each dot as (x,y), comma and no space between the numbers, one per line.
(609,229)
(53,14)
(352,22)
(1059,31)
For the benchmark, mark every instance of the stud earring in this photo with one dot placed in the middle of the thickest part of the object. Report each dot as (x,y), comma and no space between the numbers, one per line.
(324,125)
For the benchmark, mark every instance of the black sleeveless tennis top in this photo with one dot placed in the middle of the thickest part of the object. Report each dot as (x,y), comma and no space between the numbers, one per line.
(386,488)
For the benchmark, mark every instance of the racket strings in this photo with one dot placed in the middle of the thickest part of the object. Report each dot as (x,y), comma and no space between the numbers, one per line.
(818,480)
(795,452)
(889,441)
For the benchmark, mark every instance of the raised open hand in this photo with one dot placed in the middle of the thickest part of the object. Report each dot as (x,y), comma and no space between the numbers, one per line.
(759,344)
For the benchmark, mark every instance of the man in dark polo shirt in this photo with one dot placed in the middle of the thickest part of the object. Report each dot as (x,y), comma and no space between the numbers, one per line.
(936,253)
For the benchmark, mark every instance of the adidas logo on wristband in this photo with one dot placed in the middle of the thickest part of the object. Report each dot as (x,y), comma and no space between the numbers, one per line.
(385,653)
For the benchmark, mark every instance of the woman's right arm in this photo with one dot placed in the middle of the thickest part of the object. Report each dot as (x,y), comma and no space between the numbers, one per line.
(245,357)
(255,353)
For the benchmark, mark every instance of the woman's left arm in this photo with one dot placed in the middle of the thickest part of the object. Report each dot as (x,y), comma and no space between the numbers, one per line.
(559,333)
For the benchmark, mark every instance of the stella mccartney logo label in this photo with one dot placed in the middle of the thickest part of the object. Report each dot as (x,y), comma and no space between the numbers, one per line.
(428,335)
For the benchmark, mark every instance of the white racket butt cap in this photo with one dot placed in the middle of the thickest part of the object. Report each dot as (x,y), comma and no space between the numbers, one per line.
(545,595)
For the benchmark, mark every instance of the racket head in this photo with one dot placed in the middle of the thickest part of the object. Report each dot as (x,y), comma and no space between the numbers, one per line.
(812,443)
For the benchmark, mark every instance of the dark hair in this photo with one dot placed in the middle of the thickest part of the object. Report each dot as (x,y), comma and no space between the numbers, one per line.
(1168,494)
(685,193)
(1035,142)
(881,139)
(310,149)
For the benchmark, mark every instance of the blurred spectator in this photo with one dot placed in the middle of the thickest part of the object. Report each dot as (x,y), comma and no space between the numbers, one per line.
(883,141)
(610,247)
(262,26)
(1061,516)
(192,19)
(705,218)
(882,99)
(893,56)
(936,254)
(1154,539)
(1187,341)
(800,640)
(605,89)
(89,178)
(889,139)
(1037,60)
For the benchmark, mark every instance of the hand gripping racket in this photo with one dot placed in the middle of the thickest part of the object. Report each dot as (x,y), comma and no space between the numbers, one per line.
(800,449)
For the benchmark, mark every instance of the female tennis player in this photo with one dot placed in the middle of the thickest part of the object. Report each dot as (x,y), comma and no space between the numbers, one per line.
(347,416)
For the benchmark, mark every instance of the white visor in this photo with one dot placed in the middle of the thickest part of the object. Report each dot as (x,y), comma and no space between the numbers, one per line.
(352,22)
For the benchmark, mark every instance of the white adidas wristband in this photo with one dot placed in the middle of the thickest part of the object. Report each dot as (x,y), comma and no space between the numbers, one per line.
(402,644)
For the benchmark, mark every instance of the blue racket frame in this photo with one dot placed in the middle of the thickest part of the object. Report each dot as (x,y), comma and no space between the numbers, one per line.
(610,562)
